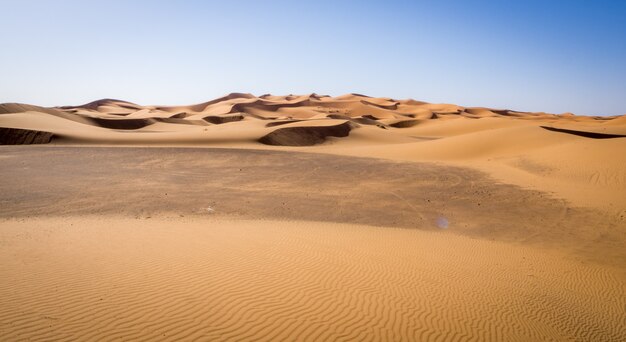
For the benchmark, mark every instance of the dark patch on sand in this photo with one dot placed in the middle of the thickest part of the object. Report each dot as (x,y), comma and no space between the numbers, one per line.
(305,136)
(136,181)
(586,134)
(16,136)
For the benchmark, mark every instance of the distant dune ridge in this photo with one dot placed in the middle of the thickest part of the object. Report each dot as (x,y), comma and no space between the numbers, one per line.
(302,116)
(580,158)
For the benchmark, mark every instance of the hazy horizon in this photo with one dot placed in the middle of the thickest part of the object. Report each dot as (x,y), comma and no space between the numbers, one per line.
(527,56)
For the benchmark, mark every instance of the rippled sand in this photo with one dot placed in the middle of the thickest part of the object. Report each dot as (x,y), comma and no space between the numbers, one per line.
(89,278)
(224,244)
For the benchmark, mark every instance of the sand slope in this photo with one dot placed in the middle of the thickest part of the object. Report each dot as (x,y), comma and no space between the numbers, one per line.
(577,158)
(119,121)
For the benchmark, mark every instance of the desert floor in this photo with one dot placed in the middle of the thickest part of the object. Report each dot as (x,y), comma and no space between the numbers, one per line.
(310,218)
(149,243)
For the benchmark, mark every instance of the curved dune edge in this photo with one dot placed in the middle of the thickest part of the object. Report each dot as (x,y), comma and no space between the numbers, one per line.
(124,124)
(14,136)
(305,135)
(586,134)
(508,144)
(216,279)
(214,119)
(246,111)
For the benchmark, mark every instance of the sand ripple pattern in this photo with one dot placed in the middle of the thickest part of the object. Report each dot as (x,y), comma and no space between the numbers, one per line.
(215,279)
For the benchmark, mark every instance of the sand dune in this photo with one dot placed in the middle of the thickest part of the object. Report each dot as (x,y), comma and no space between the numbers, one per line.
(380,112)
(576,158)
(258,218)
(510,145)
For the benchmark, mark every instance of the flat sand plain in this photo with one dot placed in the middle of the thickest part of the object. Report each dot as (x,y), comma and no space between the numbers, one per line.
(171,278)
(310,218)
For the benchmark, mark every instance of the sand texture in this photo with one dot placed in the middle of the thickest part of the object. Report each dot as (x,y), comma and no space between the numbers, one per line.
(212,279)
(308,218)
(578,158)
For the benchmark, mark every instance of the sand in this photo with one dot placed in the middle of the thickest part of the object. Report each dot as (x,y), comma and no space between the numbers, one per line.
(167,278)
(577,158)
(310,218)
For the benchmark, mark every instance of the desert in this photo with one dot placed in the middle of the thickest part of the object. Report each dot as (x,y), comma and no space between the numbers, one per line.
(310,217)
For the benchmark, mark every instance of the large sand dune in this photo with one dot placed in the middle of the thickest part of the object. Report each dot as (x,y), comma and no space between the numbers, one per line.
(210,222)
(579,158)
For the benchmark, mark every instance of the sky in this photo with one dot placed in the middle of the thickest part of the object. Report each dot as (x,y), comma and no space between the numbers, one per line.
(552,56)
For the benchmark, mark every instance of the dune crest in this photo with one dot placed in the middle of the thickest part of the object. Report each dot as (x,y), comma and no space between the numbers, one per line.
(557,153)
(243,111)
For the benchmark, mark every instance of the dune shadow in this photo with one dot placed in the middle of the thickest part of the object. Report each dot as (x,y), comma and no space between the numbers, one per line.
(592,135)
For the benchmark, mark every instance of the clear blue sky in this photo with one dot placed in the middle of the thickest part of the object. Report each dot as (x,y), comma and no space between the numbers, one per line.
(554,56)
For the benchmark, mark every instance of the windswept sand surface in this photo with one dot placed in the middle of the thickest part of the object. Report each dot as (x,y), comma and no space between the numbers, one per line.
(95,278)
(266,218)
(578,158)
(223,244)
